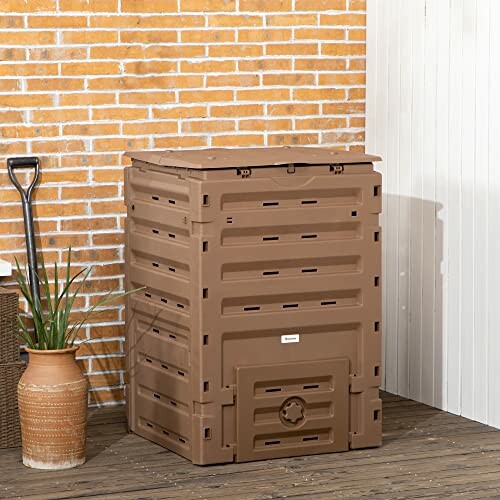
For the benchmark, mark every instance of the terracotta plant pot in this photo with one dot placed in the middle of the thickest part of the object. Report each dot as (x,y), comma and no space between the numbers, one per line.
(53,409)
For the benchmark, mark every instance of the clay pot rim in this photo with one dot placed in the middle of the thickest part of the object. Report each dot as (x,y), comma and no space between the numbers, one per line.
(67,350)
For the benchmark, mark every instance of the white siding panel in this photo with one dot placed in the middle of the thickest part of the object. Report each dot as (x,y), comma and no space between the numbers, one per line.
(433,113)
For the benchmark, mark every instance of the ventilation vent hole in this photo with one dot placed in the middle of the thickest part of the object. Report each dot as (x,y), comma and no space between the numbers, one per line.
(376,281)
(165,301)
(205,293)
(207,433)
(376,371)
(155,264)
(311,438)
(288,306)
(172,202)
(155,231)
(205,200)
(376,415)
(171,269)
(165,367)
(270,238)
(229,220)
(252,308)
(206,386)
(354,213)
(173,403)
(376,236)
(309,270)
(274,389)
(270,273)
(180,306)
(166,433)
(182,374)
(270,203)
(148,295)
(182,440)
(149,425)
(155,198)
(155,330)
(376,326)
(329,303)
(309,202)
(205,339)
(376,190)
(204,246)
(309,236)
(157,396)
(171,235)
(148,360)
(172,336)
(271,443)
(312,386)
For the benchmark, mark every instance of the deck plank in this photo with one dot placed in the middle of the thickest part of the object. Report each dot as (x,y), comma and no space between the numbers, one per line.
(427,453)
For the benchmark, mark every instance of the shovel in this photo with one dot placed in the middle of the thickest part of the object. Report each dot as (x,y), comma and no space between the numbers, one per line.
(24,163)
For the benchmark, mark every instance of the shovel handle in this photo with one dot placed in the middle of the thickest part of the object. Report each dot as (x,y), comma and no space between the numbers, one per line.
(24,162)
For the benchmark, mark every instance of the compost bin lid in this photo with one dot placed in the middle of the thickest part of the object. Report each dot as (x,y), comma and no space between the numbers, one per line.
(249,157)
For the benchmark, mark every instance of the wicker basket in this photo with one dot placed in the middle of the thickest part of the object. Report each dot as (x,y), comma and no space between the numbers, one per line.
(9,342)
(10,430)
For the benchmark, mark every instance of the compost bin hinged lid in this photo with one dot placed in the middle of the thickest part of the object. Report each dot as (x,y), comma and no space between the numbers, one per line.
(249,157)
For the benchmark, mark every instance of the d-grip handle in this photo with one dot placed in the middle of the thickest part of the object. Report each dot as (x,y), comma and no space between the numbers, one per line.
(24,162)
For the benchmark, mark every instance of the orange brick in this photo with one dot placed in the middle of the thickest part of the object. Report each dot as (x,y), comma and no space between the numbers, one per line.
(205,95)
(343,137)
(293,49)
(63,240)
(90,160)
(92,255)
(357,4)
(28,69)
(225,21)
(320,5)
(96,348)
(343,19)
(17,228)
(289,79)
(11,22)
(239,50)
(238,110)
(108,175)
(356,94)
(238,140)
(342,79)
(264,95)
(291,20)
(31,37)
(207,5)
(119,113)
(319,94)
(357,35)
(174,51)
(207,36)
(89,5)
(111,331)
(9,85)
(108,239)
(61,176)
(109,270)
(357,122)
(89,37)
(119,52)
(208,126)
(12,54)
(148,6)
(265,125)
(344,108)
(60,115)
(89,68)
(26,100)
(96,129)
(320,123)
(87,223)
(57,53)
(208,66)
(141,98)
(109,22)
(265,65)
(357,64)
(265,5)
(49,84)
(66,146)
(292,109)
(20,132)
(86,99)
(292,139)
(320,34)
(12,148)
(180,112)
(156,127)
(180,142)
(57,22)
(233,81)
(264,35)
(29,5)
(120,144)
(11,116)
(159,36)
(145,67)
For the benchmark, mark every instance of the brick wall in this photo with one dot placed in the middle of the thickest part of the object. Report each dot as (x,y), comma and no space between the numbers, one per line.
(81,81)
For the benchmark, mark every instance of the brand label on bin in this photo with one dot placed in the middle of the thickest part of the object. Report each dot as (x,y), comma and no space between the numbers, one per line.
(289,339)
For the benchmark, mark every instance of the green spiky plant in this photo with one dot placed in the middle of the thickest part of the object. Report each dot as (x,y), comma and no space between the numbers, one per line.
(51,319)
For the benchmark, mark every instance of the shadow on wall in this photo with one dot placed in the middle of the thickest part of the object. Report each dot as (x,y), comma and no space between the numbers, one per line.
(413,339)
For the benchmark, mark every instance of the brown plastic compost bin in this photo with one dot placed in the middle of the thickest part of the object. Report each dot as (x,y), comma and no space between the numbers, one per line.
(258,333)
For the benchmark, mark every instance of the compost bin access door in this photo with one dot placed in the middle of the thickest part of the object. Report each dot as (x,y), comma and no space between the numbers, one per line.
(292,409)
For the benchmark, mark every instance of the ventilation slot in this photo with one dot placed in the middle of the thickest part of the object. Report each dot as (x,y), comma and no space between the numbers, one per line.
(172,336)
(328,303)
(155,231)
(165,367)
(171,235)
(180,306)
(312,438)
(182,440)
(149,425)
(376,190)
(376,371)
(204,246)
(205,293)
(270,273)
(155,330)
(166,433)
(155,198)
(182,374)
(205,339)
(313,386)
(207,433)
(270,203)
(156,396)
(270,238)
(309,236)
(155,264)
(252,308)
(205,200)
(148,295)
(309,202)
(165,301)
(173,403)
(271,443)
(376,326)
(288,306)
(309,270)
(376,236)
(274,389)
(172,202)
(229,220)
(148,360)
(354,213)
(376,281)
(206,386)
(376,415)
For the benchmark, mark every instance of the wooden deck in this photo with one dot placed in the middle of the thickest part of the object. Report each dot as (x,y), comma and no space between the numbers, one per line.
(426,453)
